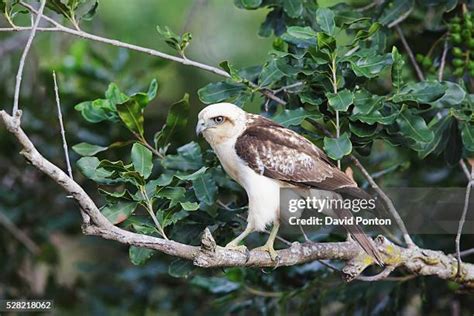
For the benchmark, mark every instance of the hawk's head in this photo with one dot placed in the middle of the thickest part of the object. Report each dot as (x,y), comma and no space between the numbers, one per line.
(220,122)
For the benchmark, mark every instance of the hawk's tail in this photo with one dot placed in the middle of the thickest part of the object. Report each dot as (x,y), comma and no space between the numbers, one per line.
(366,243)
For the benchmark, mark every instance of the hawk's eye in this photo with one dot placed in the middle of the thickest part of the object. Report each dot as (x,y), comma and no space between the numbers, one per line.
(218,120)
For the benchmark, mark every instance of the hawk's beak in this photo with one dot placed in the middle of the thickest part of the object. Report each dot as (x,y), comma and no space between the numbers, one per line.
(200,127)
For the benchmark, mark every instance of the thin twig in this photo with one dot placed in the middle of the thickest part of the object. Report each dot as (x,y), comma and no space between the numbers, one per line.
(418,71)
(18,234)
(29,28)
(19,75)
(330,266)
(462,221)
(61,125)
(304,233)
(387,200)
(334,87)
(443,60)
(465,169)
(290,86)
(401,18)
(262,293)
(85,217)
(467,252)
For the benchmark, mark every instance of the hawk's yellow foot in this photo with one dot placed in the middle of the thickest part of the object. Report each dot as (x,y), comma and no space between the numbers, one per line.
(234,244)
(268,247)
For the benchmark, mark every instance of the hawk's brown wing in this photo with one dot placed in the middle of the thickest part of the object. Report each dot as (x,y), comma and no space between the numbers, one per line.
(279,153)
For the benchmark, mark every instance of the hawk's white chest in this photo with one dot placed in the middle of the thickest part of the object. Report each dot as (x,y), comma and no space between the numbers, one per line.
(263,192)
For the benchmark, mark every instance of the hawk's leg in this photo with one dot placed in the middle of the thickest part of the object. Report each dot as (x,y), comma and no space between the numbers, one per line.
(268,247)
(234,244)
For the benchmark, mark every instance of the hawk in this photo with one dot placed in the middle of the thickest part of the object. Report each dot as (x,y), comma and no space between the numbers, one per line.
(263,156)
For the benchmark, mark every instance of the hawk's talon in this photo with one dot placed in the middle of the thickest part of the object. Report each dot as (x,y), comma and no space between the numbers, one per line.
(239,248)
(271,251)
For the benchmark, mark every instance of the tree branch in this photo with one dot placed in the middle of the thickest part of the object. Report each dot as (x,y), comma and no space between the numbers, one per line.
(415,260)
(19,75)
(443,60)
(61,125)
(418,71)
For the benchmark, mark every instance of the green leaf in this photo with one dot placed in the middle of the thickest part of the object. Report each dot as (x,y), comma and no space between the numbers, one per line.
(174,218)
(363,130)
(219,91)
(369,66)
(365,102)
(152,89)
(300,36)
(326,42)
(189,157)
(397,68)
(89,167)
(294,8)
(310,98)
(131,114)
(97,111)
(249,4)
(142,160)
(114,95)
(414,127)
(181,268)
(74,10)
(270,74)
(85,149)
(132,177)
(440,139)
(178,42)
(176,120)
(325,19)
(337,148)
(164,179)
(341,100)
(117,213)
(205,188)
(215,285)
(467,134)
(139,256)
(364,35)
(453,96)
(230,69)
(192,176)
(174,194)
(425,92)
(189,206)
(294,117)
